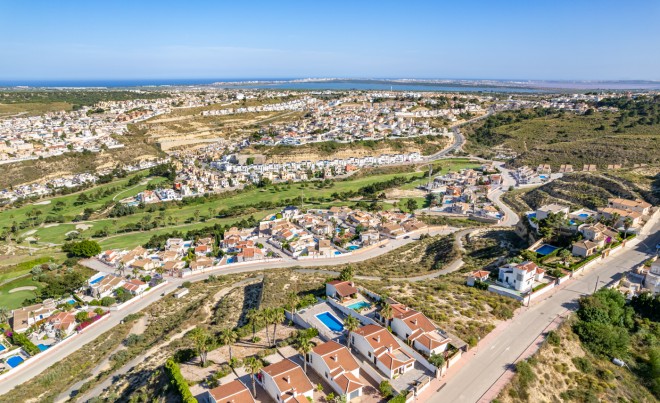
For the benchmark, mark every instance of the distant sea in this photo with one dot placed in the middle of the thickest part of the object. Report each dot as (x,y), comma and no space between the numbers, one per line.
(321,85)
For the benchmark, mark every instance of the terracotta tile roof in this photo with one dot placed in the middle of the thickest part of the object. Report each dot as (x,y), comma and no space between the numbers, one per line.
(344,288)
(336,356)
(232,392)
(288,375)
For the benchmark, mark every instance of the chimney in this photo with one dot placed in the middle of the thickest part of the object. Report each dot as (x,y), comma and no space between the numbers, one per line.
(378,338)
(293,392)
(287,379)
(335,357)
(415,321)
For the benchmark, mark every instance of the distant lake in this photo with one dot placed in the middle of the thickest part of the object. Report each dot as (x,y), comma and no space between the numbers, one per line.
(315,86)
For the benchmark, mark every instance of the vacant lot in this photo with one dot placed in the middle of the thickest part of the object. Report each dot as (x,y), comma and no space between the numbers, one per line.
(566,138)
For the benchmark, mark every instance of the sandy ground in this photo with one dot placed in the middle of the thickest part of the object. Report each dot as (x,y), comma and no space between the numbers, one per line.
(83,227)
(26,288)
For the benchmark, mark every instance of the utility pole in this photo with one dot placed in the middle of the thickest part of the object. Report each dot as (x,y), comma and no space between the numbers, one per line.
(597,281)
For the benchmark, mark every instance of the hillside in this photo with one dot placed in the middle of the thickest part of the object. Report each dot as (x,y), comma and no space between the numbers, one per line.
(575,362)
(579,189)
(553,137)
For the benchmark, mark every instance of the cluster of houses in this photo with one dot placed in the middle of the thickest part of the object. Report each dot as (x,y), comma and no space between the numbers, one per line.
(331,232)
(193,181)
(52,185)
(297,104)
(345,120)
(343,358)
(466,192)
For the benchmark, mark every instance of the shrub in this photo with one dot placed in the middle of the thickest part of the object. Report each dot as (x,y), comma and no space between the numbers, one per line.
(186,284)
(553,338)
(385,389)
(437,360)
(184,355)
(84,248)
(107,301)
(132,340)
(525,374)
(177,380)
(583,365)
(21,339)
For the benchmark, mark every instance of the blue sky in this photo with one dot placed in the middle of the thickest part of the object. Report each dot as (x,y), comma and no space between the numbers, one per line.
(559,39)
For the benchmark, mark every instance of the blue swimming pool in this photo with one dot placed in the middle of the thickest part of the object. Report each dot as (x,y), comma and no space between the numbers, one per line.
(330,321)
(353,247)
(96,280)
(43,347)
(546,249)
(337,252)
(2,348)
(359,305)
(15,361)
(71,301)
(583,215)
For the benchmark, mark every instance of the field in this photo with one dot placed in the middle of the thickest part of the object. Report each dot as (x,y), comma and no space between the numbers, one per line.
(566,138)
(137,147)
(426,145)
(183,217)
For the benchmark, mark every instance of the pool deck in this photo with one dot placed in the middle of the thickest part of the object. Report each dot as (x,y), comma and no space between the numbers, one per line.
(309,316)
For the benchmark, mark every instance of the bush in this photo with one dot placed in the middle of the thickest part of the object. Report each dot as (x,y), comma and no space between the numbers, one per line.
(84,248)
(186,284)
(21,339)
(386,389)
(132,340)
(107,301)
(583,365)
(553,338)
(176,379)
(525,374)
(184,355)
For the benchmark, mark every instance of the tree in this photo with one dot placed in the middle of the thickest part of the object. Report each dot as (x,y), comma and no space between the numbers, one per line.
(386,313)
(254,316)
(627,223)
(4,314)
(86,248)
(252,366)
(267,317)
(347,273)
(351,324)
(228,337)
(278,317)
(304,347)
(82,316)
(293,300)
(411,205)
(201,339)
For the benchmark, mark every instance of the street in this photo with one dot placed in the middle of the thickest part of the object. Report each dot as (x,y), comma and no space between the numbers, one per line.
(492,358)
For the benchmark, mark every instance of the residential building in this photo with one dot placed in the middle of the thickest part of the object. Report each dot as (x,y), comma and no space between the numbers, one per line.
(338,367)
(520,277)
(285,381)
(543,211)
(417,330)
(381,348)
(637,205)
(340,290)
(27,316)
(232,392)
(584,248)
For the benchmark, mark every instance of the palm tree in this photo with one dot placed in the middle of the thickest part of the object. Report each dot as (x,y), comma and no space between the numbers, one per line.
(228,337)
(627,223)
(135,272)
(614,218)
(4,314)
(201,339)
(304,347)
(267,317)
(351,324)
(293,300)
(254,316)
(252,366)
(386,313)
(278,317)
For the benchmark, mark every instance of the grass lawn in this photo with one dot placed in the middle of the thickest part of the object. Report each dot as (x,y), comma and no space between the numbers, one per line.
(33,108)
(14,300)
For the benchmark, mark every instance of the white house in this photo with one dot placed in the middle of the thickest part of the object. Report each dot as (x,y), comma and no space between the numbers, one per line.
(340,290)
(415,328)
(544,211)
(285,381)
(521,276)
(652,280)
(379,346)
(338,367)
(135,286)
(637,205)
(232,392)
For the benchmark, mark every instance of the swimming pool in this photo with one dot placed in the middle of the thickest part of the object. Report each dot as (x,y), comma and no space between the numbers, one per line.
(71,301)
(43,347)
(583,215)
(546,249)
(353,247)
(96,280)
(359,305)
(330,321)
(2,348)
(15,361)
(337,252)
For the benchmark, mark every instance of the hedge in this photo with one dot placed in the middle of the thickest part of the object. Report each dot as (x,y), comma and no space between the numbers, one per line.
(176,379)
(21,340)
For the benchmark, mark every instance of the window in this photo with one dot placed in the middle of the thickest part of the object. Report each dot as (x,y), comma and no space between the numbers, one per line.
(369,354)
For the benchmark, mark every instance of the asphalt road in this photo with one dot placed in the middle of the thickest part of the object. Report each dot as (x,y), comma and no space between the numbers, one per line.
(491,360)
(59,352)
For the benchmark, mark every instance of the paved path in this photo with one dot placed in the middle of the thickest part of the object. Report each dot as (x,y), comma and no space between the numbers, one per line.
(484,365)
(59,352)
